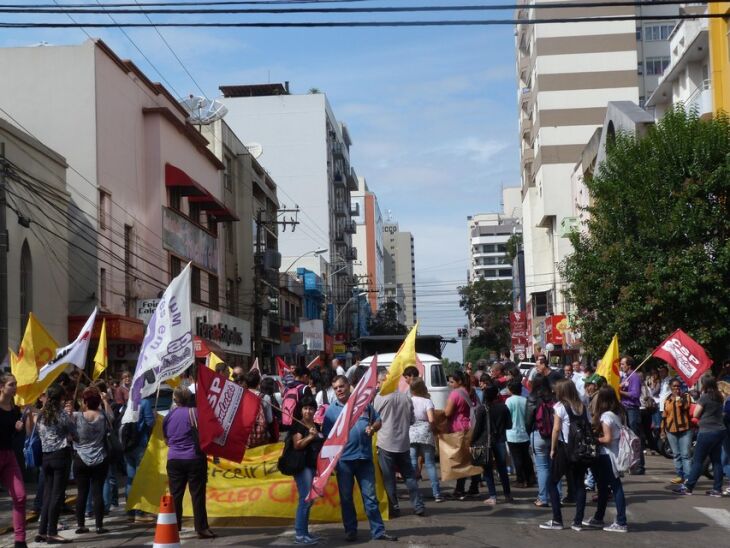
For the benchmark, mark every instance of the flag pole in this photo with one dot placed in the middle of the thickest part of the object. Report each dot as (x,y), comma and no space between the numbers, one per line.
(639,366)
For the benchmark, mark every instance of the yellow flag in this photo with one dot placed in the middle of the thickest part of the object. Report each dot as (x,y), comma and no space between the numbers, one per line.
(101,360)
(213,360)
(36,349)
(406,356)
(609,365)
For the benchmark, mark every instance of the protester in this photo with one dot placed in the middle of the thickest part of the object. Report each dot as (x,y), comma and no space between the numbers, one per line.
(458,411)
(568,408)
(305,437)
(540,402)
(261,433)
(296,388)
(186,463)
(410,374)
(55,428)
(677,427)
(337,367)
(517,437)
(269,388)
(421,435)
(12,422)
(542,368)
(568,371)
(607,422)
(630,392)
(111,487)
(121,395)
(133,455)
(396,417)
(710,437)
(499,419)
(325,393)
(356,463)
(91,461)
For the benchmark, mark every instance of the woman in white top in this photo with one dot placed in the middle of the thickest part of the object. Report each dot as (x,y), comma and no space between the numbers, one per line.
(421,435)
(607,423)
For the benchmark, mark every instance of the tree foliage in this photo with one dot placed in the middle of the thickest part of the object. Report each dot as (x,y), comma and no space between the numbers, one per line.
(385,321)
(513,245)
(488,304)
(656,256)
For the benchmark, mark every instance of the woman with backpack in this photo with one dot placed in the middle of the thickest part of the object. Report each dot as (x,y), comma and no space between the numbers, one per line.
(421,435)
(458,411)
(539,425)
(186,463)
(55,428)
(571,437)
(91,461)
(261,433)
(12,423)
(305,438)
(710,438)
(607,422)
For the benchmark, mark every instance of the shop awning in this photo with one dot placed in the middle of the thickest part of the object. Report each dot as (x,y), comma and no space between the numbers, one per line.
(203,347)
(197,194)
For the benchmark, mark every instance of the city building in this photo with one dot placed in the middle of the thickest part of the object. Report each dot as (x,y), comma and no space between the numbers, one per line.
(368,239)
(393,292)
(399,269)
(37,216)
(145,190)
(567,74)
(306,151)
(488,235)
(720,55)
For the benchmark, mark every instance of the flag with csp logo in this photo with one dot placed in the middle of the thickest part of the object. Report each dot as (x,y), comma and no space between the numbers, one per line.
(609,365)
(685,356)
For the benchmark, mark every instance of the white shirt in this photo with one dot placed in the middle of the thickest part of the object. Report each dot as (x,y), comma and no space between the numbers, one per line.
(614,422)
(565,420)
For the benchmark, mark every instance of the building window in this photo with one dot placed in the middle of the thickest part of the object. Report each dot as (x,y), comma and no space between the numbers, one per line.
(103,301)
(174,198)
(26,285)
(541,304)
(656,65)
(655,33)
(195,285)
(105,203)
(640,68)
(213,296)
(638,34)
(227,173)
(229,236)
(175,267)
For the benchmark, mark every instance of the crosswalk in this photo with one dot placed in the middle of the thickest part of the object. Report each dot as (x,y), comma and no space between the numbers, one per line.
(719,515)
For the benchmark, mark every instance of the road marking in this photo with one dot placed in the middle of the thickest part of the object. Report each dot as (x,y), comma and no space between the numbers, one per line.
(719,515)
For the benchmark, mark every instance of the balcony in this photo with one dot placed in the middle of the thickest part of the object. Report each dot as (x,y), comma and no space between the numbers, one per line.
(351,254)
(527,129)
(528,155)
(352,182)
(350,227)
(341,209)
(355,210)
(525,99)
(701,99)
(339,179)
(339,150)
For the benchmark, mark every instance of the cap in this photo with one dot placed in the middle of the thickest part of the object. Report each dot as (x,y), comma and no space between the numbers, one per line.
(594,379)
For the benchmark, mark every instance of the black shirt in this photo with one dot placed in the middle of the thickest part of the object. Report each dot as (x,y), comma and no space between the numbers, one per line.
(7,427)
(314,446)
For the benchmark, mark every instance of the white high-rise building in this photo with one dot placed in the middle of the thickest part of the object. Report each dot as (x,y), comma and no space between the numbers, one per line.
(400,268)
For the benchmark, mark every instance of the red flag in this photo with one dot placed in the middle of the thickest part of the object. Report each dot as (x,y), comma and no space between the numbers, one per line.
(685,355)
(332,449)
(283,368)
(316,362)
(226,415)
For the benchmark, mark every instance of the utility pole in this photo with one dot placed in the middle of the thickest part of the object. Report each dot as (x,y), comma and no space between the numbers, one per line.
(4,248)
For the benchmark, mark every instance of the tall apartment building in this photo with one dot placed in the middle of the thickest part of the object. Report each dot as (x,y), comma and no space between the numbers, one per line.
(400,268)
(307,152)
(567,74)
(488,234)
(368,238)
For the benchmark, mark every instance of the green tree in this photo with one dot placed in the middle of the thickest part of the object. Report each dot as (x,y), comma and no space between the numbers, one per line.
(656,255)
(488,304)
(449,366)
(514,244)
(385,321)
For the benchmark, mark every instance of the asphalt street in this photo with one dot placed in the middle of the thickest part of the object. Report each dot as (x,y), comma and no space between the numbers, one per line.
(655,516)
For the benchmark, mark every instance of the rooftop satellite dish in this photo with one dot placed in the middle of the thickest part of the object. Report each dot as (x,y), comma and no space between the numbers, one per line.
(255,149)
(203,111)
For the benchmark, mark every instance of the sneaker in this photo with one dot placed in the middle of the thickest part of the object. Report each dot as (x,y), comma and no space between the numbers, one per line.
(576,527)
(508,499)
(616,528)
(677,481)
(386,536)
(439,499)
(552,525)
(491,501)
(682,490)
(593,524)
(351,536)
(714,493)
(726,492)
(305,540)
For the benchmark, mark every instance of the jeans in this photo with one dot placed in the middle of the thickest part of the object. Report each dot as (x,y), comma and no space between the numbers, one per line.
(38,500)
(55,468)
(389,461)
(363,471)
(500,461)
(193,473)
(541,450)
(12,480)
(523,462)
(681,443)
(429,462)
(132,459)
(606,479)
(304,485)
(634,420)
(708,443)
(577,473)
(726,455)
(90,478)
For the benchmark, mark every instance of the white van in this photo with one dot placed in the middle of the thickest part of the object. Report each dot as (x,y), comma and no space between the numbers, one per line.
(433,373)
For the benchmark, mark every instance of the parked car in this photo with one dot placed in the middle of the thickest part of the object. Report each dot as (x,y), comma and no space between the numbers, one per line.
(433,373)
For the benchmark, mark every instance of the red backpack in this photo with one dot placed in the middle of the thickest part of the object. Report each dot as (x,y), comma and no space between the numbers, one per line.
(289,402)
(544,418)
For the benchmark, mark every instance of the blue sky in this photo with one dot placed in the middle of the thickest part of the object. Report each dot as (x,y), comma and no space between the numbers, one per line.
(432,114)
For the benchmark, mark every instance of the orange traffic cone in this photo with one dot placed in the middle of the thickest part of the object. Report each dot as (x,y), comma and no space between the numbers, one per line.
(166,535)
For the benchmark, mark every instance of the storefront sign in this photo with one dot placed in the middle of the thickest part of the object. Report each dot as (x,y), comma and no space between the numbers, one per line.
(554,327)
(312,335)
(146,308)
(230,333)
(183,238)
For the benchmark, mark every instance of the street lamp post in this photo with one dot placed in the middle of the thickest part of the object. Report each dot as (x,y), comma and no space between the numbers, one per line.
(314,252)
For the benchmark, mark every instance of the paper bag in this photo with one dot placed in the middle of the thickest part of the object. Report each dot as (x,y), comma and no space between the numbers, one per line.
(455,458)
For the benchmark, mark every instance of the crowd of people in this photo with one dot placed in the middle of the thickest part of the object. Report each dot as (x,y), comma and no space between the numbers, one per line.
(555,430)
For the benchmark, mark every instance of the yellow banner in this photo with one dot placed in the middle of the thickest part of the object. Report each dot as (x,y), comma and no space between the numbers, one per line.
(609,368)
(406,356)
(254,488)
(36,349)
(101,360)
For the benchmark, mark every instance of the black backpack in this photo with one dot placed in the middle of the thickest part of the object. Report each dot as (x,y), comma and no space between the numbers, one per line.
(582,446)
(128,433)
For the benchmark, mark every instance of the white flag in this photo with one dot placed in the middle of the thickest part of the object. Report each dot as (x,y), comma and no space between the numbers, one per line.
(74,354)
(167,348)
